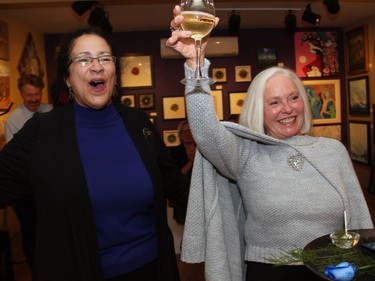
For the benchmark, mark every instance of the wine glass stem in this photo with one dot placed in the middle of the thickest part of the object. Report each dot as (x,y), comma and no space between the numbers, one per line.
(198,74)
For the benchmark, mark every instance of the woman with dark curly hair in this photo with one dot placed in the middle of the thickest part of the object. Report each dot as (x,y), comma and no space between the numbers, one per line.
(99,173)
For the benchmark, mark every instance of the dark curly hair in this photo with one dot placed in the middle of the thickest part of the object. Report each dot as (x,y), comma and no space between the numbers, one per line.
(59,91)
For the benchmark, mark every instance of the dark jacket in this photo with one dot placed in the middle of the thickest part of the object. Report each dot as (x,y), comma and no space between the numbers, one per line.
(44,158)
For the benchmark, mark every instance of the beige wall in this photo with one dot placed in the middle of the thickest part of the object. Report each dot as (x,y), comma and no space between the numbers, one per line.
(18,33)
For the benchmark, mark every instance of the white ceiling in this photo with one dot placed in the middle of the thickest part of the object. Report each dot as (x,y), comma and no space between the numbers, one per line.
(149,15)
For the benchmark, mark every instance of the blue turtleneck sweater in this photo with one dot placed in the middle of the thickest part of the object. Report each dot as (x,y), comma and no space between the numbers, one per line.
(120,189)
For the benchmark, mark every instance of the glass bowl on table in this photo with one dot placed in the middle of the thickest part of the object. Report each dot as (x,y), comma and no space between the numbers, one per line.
(345,240)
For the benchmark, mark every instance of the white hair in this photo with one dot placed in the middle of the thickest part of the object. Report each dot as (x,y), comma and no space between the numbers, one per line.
(252,115)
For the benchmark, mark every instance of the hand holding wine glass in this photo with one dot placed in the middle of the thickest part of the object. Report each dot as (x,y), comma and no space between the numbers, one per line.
(199,18)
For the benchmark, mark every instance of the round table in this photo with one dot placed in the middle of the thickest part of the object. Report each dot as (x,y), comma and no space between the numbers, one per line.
(367,236)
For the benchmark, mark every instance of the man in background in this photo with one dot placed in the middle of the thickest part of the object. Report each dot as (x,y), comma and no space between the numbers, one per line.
(30,87)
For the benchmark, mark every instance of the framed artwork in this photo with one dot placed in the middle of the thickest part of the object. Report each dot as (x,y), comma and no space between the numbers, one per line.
(217,96)
(359,139)
(371,186)
(325,100)
(136,71)
(6,103)
(329,131)
(171,138)
(4,41)
(266,57)
(128,100)
(146,101)
(316,53)
(219,74)
(357,50)
(236,101)
(30,62)
(243,73)
(359,97)
(174,108)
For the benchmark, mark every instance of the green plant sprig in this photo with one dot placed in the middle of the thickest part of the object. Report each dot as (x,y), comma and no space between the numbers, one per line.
(321,257)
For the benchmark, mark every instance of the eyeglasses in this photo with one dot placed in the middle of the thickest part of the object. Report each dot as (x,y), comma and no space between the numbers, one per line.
(85,61)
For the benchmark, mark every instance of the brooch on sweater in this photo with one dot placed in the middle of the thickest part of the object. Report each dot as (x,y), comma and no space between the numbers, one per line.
(296,161)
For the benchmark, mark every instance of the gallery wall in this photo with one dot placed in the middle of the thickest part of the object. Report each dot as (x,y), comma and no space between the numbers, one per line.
(167,73)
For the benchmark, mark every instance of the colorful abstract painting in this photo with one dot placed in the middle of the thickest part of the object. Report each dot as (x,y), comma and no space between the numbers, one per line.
(316,54)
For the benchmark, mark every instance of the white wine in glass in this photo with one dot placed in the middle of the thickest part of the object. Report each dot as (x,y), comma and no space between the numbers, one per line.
(199,18)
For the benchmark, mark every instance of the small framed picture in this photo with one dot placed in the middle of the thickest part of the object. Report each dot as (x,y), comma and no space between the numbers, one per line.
(359,96)
(357,51)
(146,101)
(128,100)
(236,101)
(219,74)
(171,138)
(174,108)
(243,73)
(359,138)
(266,57)
(136,71)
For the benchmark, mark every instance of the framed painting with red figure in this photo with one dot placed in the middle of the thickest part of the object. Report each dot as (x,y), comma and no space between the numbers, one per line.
(316,54)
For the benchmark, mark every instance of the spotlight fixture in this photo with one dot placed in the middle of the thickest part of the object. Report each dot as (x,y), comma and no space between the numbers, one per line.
(290,21)
(234,23)
(99,18)
(310,17)
(80,7)
(333,6)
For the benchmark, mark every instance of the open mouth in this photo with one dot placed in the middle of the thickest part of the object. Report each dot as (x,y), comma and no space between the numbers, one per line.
(97,84)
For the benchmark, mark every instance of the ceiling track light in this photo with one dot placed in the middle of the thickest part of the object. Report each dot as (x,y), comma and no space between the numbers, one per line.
(333,6)
(290,21)
(234,23)
(310,17)
(81,7)
(99,18)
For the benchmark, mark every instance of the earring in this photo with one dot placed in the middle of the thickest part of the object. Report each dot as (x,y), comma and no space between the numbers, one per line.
(115,93)
(71,94)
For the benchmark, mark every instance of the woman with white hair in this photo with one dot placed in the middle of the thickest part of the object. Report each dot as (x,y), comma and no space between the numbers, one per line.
(291,188)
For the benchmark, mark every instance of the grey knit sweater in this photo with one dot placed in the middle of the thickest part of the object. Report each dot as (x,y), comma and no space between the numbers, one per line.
(292,191)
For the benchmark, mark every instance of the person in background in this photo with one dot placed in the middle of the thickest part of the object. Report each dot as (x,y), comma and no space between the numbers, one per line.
(183,154)
(233,118)
(30,87)
(291,188)
(100,175)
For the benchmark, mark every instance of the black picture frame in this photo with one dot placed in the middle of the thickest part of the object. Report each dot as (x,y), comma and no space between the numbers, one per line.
(357,51)
(371,185)
(359,141)
(359,95)
(266,56)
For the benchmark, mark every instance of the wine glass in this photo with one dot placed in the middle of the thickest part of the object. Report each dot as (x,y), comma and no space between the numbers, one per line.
(199,18)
